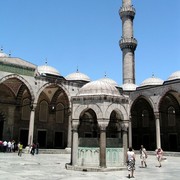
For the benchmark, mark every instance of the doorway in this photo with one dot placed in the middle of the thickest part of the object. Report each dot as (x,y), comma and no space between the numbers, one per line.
(58,140)
(41,138)
(172,142)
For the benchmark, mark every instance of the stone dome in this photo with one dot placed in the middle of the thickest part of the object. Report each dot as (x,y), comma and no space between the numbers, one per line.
(129,87)
(109,80)
(45,69)
(175,75)
(98,88)
(77,76)
(153,81)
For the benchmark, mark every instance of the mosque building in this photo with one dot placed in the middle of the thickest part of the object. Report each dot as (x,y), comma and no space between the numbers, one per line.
(95,119)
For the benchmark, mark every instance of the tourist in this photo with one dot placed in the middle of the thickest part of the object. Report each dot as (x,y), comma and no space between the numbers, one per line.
(1,145)
(159,155)
(37,148)
(5,146)
(143,156)
(130,162)
(9,146)
(20,147)
(13,146)
(33,147)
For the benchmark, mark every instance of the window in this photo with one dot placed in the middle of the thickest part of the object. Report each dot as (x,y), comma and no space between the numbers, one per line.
(145,118)
(60,113)
(171,116)
(26,110)
(43,111)
(134,119)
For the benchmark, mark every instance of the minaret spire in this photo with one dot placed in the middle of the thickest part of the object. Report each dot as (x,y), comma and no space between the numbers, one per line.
(128,43)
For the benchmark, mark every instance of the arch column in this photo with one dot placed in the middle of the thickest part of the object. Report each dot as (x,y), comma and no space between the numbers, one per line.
(124,126)
(130,131)
(69,131)
(31,125)
(102,146)
(158,133)
(74,150)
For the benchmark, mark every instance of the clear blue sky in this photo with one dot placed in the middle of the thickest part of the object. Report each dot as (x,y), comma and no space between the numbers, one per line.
(85,33)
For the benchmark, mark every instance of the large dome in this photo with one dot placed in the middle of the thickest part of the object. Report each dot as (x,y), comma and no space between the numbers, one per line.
(77,76)
(153,81)
(98,88)
(129,87)
(175,75)
(45,69)
(109,80)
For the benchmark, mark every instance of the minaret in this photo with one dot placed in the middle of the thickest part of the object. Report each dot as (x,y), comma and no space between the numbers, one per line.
(128,43)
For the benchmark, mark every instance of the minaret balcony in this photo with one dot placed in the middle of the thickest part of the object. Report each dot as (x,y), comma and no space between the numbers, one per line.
(127,11)
(128,43)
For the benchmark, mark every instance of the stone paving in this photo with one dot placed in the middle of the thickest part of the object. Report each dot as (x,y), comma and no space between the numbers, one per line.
(52,167)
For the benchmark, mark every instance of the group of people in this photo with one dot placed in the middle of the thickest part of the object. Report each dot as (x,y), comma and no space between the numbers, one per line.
(8,146)
(12,146)
(34,148)
(143,156)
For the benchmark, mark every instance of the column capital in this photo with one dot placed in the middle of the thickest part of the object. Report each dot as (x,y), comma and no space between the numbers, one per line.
(156,114)
(75,124)
(33,106)
(125,125)
(103,124)
(102,127)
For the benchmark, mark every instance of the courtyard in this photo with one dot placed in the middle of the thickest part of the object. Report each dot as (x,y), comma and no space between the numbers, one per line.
(52,167)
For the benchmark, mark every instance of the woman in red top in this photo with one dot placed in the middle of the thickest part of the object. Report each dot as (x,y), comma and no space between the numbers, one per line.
(159,155)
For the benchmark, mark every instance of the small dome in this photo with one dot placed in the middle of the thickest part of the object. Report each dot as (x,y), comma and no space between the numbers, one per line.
(175,75)
(98,88)
(77,76)
(153,81)
(44,69)
(129,87)
(3,54)
(109,80)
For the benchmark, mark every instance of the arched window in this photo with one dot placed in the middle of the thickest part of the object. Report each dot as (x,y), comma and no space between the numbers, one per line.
(171,116)
(43,111)
(145,118)
(60,111)
(26,110)
(134,119)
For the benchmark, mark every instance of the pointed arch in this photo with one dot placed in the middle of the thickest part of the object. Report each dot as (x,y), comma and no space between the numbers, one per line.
(20,78)
(81,108)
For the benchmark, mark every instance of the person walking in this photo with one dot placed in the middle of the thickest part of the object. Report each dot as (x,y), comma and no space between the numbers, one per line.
(159,155)
(33,147)
(143,156)
(37,148)
(5,146)
(20,147)
(130,158)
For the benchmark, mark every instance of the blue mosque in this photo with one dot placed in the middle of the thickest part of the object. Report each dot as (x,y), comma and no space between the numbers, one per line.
(94,120)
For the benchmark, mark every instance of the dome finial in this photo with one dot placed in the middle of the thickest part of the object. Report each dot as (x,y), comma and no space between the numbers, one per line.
(105,75)
(9,53)
(77,70)
(1,48)
(46,61)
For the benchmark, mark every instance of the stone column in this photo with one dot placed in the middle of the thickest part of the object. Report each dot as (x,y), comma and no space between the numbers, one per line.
(31,125)
(125,138)
(102,146)
(68,149)
(74,150)
(158,133)
(130,131)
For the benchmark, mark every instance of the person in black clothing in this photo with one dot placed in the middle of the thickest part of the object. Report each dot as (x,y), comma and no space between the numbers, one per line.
(33,147)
